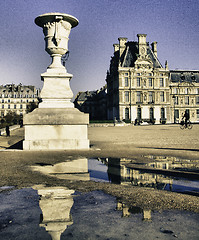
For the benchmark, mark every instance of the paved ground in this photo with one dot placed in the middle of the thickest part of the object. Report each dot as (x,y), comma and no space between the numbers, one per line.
(130,141)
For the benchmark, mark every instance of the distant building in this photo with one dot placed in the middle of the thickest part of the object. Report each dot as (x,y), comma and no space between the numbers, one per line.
(17,98)
(139,88)
(184,94)
(92,102)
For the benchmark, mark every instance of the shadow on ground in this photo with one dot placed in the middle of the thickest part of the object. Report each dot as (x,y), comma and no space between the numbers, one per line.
(18,145)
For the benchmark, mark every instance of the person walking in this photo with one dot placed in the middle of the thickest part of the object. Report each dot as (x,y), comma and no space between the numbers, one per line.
(7,131)
(186,118)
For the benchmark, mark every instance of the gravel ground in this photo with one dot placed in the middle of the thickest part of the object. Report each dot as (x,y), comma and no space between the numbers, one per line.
(129,141)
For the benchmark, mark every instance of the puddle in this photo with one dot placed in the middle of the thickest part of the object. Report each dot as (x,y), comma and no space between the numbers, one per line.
(114,170)
(58,213)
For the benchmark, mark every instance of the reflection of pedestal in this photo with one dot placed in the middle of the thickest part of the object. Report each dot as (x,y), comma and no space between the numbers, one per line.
(72,170)
(55,203)
(56,124)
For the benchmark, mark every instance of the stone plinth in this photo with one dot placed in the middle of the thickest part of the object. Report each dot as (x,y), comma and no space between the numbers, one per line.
(51,128)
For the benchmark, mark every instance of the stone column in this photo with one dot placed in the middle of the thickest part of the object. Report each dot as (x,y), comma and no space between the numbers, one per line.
(56,124)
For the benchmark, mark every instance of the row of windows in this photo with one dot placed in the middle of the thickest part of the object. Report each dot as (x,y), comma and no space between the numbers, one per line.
(177,115)
(150,82)
(139,74)
(9,101)
(151,113)
(139,113)
(185,90)
(17,96)
(139,96)
(186,100)
(14,106)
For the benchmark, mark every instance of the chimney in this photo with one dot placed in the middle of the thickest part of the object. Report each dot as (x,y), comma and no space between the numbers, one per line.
(116,47)
(142,43)
(154,48)
(122,44)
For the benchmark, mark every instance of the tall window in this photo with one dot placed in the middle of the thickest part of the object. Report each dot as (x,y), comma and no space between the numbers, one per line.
(2,100)
(186,91)
(176,100)
(151,112)
(139,113)
(150,97)
(126,96)
(126,81)
(127,113)
(175,91)
(15,106)
(161,82)
(2,106)
(187,100)
(150,82)
(138,96)
(197,99)
(176,113)
(197,113)
(8,106)
(20,106)
(162,113)
(138,82)
(161,96)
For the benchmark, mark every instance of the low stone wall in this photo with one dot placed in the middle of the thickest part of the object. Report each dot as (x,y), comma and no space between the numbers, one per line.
(3,130)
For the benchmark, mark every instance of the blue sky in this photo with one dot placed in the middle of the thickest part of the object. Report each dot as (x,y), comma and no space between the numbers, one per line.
(174,24)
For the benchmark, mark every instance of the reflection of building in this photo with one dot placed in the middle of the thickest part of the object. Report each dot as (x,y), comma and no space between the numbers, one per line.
(92,102)
(144,175)
(55,203)
(71,169)
(139,88)
(17,98)
(127,211)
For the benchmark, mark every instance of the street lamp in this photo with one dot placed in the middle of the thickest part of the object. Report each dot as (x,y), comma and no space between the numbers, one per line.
(174,101)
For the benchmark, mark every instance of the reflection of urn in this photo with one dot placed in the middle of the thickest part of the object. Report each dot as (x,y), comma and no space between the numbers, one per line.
(56,28)
(55,203)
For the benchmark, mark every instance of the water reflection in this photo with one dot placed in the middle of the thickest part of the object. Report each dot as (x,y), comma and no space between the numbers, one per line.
(117,170)
(70,170)
(55,204)
(127,211)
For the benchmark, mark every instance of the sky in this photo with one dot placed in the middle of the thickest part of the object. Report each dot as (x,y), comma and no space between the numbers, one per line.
(174,24)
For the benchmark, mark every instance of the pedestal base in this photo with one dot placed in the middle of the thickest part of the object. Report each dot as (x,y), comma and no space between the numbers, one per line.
(56,129)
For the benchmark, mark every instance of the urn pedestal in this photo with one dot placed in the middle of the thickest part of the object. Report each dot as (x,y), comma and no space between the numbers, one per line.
(56,124)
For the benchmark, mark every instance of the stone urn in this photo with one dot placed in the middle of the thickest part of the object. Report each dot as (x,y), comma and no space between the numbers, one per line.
(56,29)
(56,123)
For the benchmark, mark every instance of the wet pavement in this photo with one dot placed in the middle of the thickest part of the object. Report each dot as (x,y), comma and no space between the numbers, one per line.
(43,212)
(58,213)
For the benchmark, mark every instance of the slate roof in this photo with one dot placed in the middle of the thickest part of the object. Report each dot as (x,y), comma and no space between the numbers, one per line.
(131,53)
(190,76)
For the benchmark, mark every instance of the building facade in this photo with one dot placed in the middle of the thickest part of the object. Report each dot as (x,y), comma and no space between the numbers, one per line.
(17,98)
(139,88)
(93,102)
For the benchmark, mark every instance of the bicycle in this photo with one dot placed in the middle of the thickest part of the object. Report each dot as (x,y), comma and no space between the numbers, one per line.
(187,125)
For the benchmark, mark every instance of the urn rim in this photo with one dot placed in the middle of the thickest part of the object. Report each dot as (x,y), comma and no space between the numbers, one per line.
(50,17)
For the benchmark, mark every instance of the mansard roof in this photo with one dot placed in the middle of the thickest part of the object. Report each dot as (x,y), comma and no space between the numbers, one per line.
(189,76)
(131,54)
